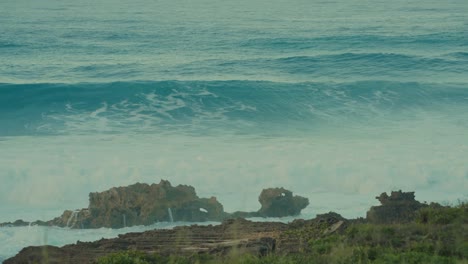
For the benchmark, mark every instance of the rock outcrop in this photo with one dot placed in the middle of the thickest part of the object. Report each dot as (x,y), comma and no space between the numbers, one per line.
(277,202)
(399,207)
(143,204)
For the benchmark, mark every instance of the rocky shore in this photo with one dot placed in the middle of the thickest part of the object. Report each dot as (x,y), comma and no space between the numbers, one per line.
(400,230)
(239,235)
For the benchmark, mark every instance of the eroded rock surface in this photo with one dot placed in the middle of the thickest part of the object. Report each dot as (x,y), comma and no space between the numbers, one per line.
(243,236)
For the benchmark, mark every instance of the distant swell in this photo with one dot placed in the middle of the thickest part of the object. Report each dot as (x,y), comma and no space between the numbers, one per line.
(340,42)
(339,66)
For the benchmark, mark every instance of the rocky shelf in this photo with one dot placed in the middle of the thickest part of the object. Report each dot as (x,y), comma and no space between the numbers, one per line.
(243,236)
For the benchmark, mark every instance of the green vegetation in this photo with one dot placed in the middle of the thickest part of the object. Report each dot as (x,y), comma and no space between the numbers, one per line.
(340,255)
(442,215)
(439,235)
(131,257)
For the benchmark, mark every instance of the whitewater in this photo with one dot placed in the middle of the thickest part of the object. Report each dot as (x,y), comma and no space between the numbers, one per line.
(336,101)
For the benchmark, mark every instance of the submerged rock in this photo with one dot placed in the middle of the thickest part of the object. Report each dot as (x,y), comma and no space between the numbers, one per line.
(399,207)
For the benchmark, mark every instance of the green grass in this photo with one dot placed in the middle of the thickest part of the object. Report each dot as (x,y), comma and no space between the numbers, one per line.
(439,235)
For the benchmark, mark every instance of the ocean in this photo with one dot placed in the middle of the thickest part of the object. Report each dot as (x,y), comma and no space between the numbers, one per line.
(337,101)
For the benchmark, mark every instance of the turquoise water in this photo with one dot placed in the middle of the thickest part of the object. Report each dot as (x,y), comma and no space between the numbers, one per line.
(335,100)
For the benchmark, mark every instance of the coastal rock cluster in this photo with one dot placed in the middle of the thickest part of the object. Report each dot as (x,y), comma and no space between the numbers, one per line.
(143,204)
(233,235)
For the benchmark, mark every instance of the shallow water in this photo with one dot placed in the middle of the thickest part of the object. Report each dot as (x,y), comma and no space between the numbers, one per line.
(337,101)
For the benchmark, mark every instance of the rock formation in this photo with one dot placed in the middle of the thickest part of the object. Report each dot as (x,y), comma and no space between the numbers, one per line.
(277,202)
(399,207)
(143,204)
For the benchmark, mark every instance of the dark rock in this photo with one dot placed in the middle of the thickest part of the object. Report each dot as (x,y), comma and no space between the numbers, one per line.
(15,223)
(276,202)
(399,207)
(279,202)
(20,223)
(241,214)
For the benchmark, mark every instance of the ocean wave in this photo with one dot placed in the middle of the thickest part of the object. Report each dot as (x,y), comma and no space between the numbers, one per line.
(206,105)
(340,65)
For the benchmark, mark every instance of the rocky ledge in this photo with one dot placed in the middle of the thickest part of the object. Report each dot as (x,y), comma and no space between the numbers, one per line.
(238,235)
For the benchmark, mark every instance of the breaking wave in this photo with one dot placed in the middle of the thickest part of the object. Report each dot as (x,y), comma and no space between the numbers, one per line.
(210,106)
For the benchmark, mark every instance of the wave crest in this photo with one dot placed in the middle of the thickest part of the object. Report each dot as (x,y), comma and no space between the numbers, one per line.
(198,107)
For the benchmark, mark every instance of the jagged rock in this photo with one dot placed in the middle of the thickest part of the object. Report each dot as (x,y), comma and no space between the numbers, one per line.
(399,207)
